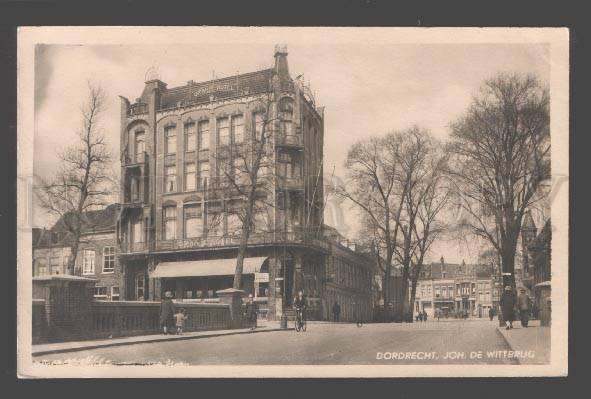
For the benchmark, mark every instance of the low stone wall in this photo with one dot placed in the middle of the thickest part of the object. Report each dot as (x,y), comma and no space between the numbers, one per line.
(125,318)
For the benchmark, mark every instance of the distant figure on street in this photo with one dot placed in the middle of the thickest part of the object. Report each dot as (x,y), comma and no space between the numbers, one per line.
(251,312)
(167,313)
(524,306)
(438,314)
(491,313)
(424,315)
(336,311)
(180,318)
(508,303)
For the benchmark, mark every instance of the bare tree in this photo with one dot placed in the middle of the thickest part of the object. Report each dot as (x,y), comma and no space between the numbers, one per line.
(501,150)
(246,170)
(429,225)
(82,182)
(372,187)
(419,180)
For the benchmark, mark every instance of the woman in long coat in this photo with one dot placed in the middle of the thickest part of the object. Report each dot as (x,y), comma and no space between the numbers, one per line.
(167,313)
(508,302)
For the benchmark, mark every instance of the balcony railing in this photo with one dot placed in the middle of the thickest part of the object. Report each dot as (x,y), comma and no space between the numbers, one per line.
(137,109)
(140,158)
(290,140)
(290,183)
(134,247)
(270,238)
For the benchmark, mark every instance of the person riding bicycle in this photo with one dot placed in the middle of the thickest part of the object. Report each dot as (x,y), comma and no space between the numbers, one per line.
(300,305)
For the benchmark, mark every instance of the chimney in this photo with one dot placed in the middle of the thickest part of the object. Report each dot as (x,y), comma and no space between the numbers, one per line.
(281,67)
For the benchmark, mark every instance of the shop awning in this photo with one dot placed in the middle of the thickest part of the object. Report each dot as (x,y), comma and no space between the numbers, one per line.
(202,268)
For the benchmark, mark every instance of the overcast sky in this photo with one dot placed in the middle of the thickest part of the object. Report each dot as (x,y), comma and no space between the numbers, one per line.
(366,89)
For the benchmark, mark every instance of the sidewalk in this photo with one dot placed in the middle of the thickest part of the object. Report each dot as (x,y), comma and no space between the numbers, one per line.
(62,347)
(534,338)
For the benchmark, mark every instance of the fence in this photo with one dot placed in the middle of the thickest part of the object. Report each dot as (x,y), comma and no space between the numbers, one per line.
(122,318)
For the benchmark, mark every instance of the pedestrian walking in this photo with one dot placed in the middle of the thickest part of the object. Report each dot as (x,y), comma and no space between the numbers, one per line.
(424,315)
(336,311)
(167,313)
(524,307)
(508,303)
(491,313)
(180,318)
(251,312)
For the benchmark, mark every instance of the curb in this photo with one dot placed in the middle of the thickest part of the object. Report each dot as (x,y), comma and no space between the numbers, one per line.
(507,342)
(163,339)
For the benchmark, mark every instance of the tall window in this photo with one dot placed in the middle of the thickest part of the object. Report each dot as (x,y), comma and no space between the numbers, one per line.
(190,137)
(203,173)
(238,129)
(170,223)
(138,230)
(170,136)
(223,131)
(88,261)
(286,116)
(140,145)
(108,259)
(203,133)
(170,179)
(190,178)
(54,265)
(193,221)
(259,118)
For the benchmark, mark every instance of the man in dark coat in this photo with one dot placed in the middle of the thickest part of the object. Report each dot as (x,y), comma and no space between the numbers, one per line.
(251,312)
(167,313)
(508,302)
(524,305)
(424,315)
(336,311)
(491,313)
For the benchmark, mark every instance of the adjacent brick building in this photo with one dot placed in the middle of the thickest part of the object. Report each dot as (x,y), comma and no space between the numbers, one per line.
(97,256)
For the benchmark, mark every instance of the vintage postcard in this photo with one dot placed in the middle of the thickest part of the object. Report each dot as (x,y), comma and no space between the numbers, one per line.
(292,202)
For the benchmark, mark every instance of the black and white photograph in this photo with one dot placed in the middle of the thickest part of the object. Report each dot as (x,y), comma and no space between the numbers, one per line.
(292,202)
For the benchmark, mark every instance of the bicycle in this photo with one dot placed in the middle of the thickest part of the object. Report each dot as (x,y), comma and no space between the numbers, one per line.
(300,322)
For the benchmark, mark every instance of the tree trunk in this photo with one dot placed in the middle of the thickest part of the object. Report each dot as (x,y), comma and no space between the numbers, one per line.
(413,293)
(74,254)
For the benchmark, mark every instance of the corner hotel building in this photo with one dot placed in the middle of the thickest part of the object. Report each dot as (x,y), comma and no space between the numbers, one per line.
(179,230)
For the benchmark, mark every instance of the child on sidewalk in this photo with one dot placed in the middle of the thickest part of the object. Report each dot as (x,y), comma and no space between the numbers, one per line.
(180,318)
